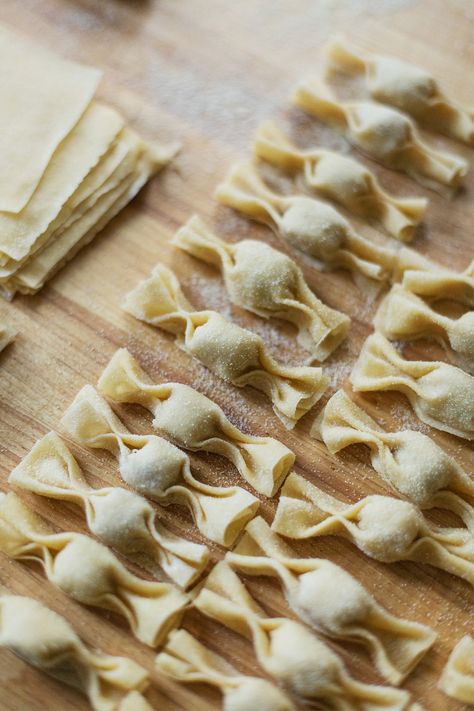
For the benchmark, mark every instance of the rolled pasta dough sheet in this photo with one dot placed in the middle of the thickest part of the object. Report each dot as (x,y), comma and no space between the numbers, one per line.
(108,174)
(49,261)
(71,163)
(80,201)
(43,97)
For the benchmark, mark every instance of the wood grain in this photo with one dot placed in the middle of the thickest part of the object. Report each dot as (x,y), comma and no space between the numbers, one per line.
(206,72)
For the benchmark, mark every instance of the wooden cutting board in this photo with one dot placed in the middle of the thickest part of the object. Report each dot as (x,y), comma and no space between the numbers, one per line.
(206,72)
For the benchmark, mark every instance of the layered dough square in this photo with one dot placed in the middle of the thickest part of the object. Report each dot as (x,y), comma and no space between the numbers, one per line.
(72,163)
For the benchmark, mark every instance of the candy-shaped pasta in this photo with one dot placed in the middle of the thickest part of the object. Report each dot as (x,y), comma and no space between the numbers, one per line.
(441,394)
(88,572)
(268,283)
(194,422)
(288,650)
(334,603)
(432,281)
(406,86)
(382,527)
(384,134)
(121,519)
(343,180)
(310,225)
(403,316)
(158,469)
(47,641)
(233,353)
(185,659)
(457,679)
(410,461)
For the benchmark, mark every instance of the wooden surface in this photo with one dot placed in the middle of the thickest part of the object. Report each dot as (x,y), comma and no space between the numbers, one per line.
(206,72)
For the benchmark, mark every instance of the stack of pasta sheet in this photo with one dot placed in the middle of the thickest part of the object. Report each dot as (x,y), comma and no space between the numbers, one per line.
(68,162)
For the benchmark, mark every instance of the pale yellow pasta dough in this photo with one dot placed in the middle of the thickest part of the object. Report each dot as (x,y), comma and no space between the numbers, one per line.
(43,97)
(457,679)
(288,650)
(343,180)
(134,701)
(432,281)
(334,603)
(185,659)
(231,352)
(118,162)
(404,316)
(406,86)
(193,421)
(72,162)
(310,225)
(383,133)
(121,519)
(33,274)
(46,263)
(382,527)
(441,394)
(267,282)
(161,471)
(47,641)
(88,572)
(410,461)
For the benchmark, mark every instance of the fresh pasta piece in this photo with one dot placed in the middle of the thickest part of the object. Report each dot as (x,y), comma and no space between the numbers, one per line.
(410,461)
(134,701)
(406,86)
(457,679)
(194,422)
(342,179)
(88,572)
(404,316)
(231,352)
(310,225)
(159,470)
(384,134)
(7,334)
(332,602)
(185,659)
(47,641)
(43,97)
(441,394)
(288,650)
(121,519)
(432,281)
(268,283)
(384,528)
